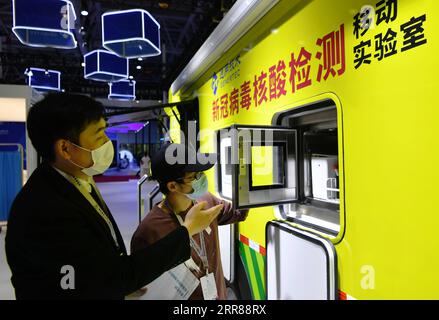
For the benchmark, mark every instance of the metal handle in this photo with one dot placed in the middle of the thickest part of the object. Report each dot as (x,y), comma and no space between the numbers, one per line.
(151,195)
(139,196)
(154,192)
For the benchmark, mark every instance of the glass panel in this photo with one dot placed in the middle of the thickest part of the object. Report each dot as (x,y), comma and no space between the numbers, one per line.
(254,164)
(267,166)
(265,161)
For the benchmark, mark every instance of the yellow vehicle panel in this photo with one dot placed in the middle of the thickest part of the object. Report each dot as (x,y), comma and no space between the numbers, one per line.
(388,247)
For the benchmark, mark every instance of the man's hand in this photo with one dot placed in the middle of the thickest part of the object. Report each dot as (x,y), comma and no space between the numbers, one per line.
(198,219)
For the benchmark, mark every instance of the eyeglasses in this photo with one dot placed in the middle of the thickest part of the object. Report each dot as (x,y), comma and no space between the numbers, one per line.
(197,176)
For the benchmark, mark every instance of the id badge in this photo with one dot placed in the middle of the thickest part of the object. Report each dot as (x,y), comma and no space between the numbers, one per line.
(208,285)
(190,263)
(176,284)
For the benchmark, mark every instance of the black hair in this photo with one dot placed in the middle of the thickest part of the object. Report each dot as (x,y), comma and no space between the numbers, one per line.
(163,188)
(60,116)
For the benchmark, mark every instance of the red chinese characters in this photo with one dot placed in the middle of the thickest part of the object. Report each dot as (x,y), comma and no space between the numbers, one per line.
(229,104)
(300,70)
(215,110)
(304,68)
(234,101)
(246,99)
(277,79)
(260,89)
(224,106)
(332,57)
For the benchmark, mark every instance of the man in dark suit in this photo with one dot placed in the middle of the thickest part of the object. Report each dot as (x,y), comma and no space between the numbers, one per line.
(62,241)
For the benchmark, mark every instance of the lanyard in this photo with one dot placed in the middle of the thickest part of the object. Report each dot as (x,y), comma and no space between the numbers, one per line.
(201,252)
(95,205)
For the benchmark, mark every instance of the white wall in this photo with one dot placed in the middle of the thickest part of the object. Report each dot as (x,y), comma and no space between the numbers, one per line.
(12,100)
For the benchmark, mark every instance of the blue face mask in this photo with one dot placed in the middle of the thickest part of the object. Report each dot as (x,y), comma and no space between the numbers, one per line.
(200,188)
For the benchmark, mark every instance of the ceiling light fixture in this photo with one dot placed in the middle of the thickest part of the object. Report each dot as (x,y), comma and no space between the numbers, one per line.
(84,13)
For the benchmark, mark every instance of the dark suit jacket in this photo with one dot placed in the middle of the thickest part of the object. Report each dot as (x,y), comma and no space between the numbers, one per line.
(52,225)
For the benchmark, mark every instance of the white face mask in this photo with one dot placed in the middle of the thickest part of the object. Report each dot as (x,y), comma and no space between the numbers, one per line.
(102,159)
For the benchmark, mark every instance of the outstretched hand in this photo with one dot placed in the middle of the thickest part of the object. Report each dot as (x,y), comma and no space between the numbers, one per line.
(198,219)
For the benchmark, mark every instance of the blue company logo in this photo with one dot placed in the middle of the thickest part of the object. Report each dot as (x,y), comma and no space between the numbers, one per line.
(215,82)
(226,75)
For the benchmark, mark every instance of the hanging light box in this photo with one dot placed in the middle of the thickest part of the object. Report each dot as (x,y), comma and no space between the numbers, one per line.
(131,33)
(101,65)
(44,23)
(123,90)
(43,80)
